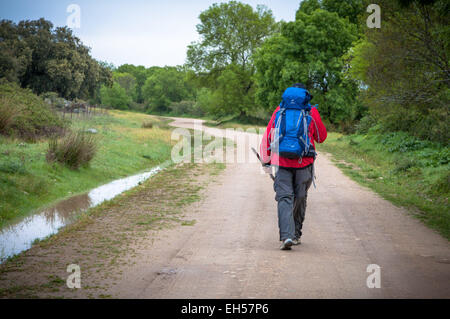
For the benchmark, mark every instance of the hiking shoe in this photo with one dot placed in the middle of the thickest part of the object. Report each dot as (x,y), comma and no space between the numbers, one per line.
(286,245)
(296,241)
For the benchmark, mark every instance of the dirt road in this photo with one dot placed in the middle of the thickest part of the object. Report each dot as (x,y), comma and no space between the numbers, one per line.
(232,250)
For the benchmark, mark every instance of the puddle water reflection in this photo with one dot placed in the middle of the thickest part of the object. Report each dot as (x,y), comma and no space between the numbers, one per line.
(19,236)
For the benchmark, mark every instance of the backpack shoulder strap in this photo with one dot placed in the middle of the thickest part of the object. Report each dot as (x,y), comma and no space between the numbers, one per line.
(282,122)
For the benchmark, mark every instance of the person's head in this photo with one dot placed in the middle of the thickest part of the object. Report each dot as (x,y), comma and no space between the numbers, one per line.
(299,85)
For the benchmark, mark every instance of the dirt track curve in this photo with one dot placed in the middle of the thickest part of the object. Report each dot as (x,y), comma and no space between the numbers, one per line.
(232,250)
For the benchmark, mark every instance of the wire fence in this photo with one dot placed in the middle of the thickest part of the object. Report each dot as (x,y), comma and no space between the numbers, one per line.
(82,110)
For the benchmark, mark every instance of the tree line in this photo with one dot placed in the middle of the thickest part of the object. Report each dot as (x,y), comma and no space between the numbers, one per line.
(393,78)
(39,56)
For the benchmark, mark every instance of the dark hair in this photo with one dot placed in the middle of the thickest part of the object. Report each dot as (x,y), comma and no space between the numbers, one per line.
(299,85)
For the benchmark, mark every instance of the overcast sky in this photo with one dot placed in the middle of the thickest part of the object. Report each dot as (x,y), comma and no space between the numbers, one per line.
(140,32)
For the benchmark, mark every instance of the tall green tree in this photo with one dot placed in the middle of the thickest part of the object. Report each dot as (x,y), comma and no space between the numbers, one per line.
(128,82)
(115,97)
(15,54)
(230,34)
(38,56)
(140,73)
(165,86)
(350,9)
(309,6)
(405,67)
(309,50)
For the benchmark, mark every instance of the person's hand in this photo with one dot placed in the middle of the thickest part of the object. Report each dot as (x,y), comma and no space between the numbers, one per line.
(267,169)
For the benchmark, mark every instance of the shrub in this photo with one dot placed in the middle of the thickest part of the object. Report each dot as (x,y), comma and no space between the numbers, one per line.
(12,167)
(347,127)
(137,107)
(330,126)
(147,124)
(441,185)
(54,100)
(182,107)
(74,150)
(403,142)
(403,165)
(115,97)
(364,124)
(25,114)
(7,115)
(205,103)
(50,97)
(434,157)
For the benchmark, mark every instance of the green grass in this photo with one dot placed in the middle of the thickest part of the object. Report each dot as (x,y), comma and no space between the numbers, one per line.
(28,181)
(406,171)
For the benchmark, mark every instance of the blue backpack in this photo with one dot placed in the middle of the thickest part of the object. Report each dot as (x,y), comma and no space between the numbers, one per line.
(291,138)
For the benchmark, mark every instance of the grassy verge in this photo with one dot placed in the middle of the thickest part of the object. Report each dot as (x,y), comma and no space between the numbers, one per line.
(107,237)
(408,172)
(28,182)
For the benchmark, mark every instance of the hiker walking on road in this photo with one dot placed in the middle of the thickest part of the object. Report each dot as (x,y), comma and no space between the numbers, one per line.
(288,145)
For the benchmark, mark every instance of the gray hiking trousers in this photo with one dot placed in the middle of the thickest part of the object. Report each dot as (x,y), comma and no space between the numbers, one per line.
(291,188)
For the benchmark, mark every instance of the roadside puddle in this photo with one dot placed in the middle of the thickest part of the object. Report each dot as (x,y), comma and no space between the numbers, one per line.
(19,235)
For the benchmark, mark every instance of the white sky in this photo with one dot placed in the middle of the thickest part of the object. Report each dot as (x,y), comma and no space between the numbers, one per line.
(136,31)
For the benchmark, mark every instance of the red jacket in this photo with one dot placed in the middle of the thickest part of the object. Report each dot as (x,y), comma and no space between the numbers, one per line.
(317,132)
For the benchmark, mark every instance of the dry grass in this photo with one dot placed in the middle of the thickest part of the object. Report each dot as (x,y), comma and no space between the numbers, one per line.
(147,125)
(74,150)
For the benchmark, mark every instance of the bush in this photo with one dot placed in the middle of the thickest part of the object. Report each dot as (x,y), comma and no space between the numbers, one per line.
(50,97)
(329,126)
(115,97)
(137,107)
(25,114)
(147,125)
(434,157)
(55,101)
(403,142)
(347,127)
(7,115)
(403,165)
(12,167)
(366,122)
(182,107)
(205,101)
(74,150)
(441,185)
